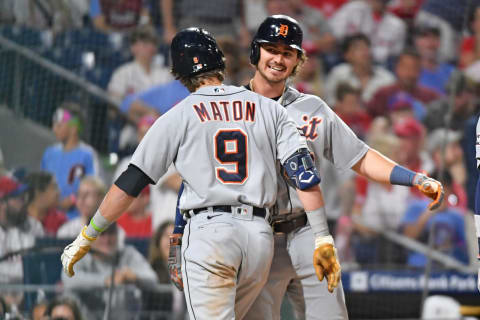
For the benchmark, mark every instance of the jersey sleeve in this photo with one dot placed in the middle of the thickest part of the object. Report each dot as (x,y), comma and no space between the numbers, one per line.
(341,146)
(158,149)
(288,137)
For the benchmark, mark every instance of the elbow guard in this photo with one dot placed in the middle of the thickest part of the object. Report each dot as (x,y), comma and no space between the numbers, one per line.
(299,170)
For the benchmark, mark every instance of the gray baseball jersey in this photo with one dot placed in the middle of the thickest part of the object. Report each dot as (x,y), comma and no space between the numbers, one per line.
(222,140)
(328,137)
(333,144)
(477,144)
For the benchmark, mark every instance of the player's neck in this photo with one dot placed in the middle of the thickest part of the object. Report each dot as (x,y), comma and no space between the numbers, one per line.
(265,88)
(210,82)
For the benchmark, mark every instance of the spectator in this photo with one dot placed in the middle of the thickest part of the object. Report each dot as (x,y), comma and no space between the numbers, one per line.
(43,201)
(462,109)
(434,74)
(38,310)
(448,16)
(17,232)
(310,76)
(315,26)
(402,106)
(63,308)
(235,62)
(470,47)
(118,15)
(137,220)
(89,196)
(154,101)
(219,17)
(407,70)
(387,33)
(327,7)
(349,109)
(70,159)
(163,197)
(412,135)
(405,10)
(358,69)
(444,147)
(446,223)
(143,72)
(95,271)
(377,213)
(173,302)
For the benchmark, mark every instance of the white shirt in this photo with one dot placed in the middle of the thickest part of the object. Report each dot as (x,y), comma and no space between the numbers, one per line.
(344,73)
(387,35)
(132,78)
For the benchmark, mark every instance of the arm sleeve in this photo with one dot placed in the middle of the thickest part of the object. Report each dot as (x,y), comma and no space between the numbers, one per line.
(341,146)
(288,137)
(133,181)
(158,149)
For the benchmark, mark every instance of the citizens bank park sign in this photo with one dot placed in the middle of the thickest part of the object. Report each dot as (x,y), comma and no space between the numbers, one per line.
(369,281)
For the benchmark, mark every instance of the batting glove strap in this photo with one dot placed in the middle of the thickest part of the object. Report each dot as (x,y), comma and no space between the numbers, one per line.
(320,241)
(76,251)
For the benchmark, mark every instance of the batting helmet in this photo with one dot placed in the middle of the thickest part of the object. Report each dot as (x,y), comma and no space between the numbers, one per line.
(276,29)
(195,51)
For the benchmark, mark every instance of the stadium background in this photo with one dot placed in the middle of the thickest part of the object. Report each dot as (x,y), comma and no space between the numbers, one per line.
(43,64)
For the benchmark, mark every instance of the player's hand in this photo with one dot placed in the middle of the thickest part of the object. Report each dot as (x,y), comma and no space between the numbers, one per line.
(431,188)
(325,262)
(75,251)
(175,261)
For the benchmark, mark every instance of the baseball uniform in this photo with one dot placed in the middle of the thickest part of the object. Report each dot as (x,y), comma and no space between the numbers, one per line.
(224,142)
(292,271)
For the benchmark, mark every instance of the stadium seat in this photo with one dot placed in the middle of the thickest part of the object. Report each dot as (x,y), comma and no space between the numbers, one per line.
(22,35)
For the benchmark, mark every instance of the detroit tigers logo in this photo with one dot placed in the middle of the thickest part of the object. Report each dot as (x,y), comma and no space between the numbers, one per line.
(283,30)
(309,129)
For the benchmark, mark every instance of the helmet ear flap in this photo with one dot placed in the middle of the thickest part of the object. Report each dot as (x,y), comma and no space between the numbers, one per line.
(254,53)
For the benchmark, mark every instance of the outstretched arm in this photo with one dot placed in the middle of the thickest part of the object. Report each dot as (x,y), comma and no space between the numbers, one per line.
(381,169)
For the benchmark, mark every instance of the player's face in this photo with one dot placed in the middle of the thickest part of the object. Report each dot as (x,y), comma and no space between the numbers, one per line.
(277,62)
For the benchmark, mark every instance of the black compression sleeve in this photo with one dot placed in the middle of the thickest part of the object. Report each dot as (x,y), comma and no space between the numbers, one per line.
(133,180)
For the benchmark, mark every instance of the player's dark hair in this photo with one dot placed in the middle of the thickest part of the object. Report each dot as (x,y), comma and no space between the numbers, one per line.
(193,83)
(37,182)
(64,301)
(344,89)
(350,40)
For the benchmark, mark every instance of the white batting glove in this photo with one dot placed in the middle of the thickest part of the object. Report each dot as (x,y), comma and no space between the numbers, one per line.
(75,251)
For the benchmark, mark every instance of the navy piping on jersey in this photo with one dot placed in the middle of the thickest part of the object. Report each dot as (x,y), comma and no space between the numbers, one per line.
(217,95)
(186,275)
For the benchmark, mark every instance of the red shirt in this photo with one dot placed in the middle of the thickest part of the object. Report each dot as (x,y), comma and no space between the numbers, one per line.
(378,105)
(358,122)
(327,7)
(136,228)
(53,221)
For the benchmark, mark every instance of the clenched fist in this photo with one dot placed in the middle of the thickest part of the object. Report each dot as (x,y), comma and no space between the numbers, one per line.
(325,262)
(75,251)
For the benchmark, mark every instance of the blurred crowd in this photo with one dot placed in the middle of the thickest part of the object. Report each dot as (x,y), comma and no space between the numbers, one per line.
(403,74)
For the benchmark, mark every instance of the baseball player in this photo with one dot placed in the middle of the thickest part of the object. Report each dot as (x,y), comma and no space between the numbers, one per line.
(224,141)
(477,197)
(276,52)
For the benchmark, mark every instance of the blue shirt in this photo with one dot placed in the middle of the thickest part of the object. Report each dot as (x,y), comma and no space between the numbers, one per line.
(161,97)
(69,167)
(437,79)
(449,235)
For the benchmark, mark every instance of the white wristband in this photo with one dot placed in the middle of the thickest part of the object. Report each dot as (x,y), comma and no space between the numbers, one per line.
(320,241)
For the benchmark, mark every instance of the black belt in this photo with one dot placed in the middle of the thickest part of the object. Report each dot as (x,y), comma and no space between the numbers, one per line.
(259,212)
(287,226)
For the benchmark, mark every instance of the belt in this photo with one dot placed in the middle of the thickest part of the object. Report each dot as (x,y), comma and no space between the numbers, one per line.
(287,226)
(259,212)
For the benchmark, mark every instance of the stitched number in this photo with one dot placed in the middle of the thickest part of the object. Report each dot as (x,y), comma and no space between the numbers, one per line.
(231,151)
